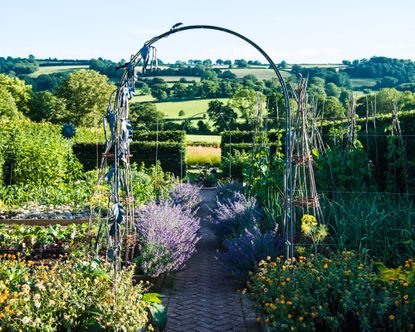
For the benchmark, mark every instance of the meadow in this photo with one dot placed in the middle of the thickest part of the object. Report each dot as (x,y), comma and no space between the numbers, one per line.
(190,107)
(45,70)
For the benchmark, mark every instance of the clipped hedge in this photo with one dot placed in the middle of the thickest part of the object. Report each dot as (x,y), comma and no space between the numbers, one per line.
(238,136)
(169,154)
(161,136)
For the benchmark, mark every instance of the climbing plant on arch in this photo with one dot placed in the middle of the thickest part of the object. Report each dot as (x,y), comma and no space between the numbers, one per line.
(119,223)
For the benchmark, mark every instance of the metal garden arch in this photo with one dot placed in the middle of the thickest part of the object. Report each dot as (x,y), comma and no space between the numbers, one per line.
(120,219)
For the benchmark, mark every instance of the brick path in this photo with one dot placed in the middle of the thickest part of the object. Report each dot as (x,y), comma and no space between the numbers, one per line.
(203,297)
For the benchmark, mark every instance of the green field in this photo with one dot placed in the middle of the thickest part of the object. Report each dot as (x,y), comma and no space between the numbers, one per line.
(56,69)
(203,138)
(362,83)
(142,99)
(190,107)
(259,73)
(173,79)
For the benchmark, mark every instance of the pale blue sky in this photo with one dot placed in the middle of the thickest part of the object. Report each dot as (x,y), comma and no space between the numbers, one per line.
(301,31)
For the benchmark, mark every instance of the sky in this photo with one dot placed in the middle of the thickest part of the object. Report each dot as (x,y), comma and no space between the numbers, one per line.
(301,31)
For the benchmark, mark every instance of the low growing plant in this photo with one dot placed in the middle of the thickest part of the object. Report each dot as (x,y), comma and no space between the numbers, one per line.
(167,237)
(232,217)
(342,292)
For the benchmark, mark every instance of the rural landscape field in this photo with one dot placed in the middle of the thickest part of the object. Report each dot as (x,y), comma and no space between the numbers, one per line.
(211,175)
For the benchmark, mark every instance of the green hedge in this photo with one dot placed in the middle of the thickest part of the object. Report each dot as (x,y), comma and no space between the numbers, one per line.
(247,147)
(161,136)
(169,154)
(238,136)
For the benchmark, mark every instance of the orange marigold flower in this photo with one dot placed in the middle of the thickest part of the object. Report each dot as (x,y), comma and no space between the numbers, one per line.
(391,317)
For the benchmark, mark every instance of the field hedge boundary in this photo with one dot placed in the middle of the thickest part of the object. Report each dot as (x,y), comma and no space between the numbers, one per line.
(169,154)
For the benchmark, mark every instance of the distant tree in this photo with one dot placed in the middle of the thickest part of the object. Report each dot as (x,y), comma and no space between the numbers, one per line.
(221,115)
(296,69)
(345,98)
(181,113)
(219,62)
(333,108)
(227,74)
(241,63)
(245,100)
(145,115)
(44,106)
(203,127)
(207,62)
(332,90)
(86,93)
(227,62)
(282,64)
(346,62)
(179,90)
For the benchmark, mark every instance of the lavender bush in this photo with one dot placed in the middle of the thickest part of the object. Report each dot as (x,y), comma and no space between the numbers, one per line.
(232,217)
(167,237)
(186,195)
(227,190)
(244,252)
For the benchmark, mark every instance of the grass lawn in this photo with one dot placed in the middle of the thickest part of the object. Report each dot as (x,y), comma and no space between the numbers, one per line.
(200,155)
(56,69)
(202,138)
(190,107)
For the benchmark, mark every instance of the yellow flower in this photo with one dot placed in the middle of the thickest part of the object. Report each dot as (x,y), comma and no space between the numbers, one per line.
(289,316)
(308,224)
(301,318)
(288,279)
(391,317)
(325,266)
(406,296)
(321,233)
(289,303)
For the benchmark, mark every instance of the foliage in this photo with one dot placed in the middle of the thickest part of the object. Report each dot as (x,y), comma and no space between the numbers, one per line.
(343,170)
(381,225)
(243,253)
(76,294)
(8,108)
(167,237)
(233,216)
(86,93)
(145,115)
(149,183)
(186,195)
(18,66)
(41,240)
(18,90)
(238,160)
(169,154)
(161,136)
(339,293)
(402,70)
(35,154)
(46,106)
(223,116)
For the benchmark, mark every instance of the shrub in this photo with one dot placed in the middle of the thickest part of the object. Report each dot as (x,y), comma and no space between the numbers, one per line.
(232,217)
(167,237)
(185,195)
(227,190)
(243,253)
(76,294)
(339,293)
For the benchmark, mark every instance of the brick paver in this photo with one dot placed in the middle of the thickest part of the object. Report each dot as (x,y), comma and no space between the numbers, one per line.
(203,297)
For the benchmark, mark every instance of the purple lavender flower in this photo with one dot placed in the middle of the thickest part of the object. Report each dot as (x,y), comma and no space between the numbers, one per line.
(167,237)
(232,217)
(244,252)
(226,191)
(185,194)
